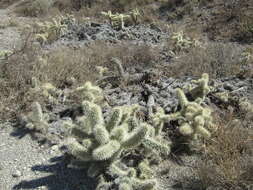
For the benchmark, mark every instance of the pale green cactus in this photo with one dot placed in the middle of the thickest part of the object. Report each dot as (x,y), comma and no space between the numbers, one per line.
(139,178)
(50,31)
(47,90)
(194,119)
(119,20)
(202,88)
(223,96)
(36,120)
(90,93)
(5,53)
(155,142)
(183,42)
(98,142)
(246,106)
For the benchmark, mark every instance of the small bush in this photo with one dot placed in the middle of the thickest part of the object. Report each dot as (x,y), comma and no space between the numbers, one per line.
(34,8)
(59,65)
(216,59)
(227,162)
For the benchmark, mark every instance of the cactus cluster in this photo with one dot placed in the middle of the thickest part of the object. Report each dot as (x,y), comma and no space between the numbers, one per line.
(47,90)
(183,42)
(246,106)
(199,92)
(36,120)
(100,142)
(5,53)
(194,120)
(50,31)
(118,20)
(129,178)
(90,93)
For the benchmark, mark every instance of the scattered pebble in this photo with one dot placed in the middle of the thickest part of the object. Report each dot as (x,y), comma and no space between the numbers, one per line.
(17,173)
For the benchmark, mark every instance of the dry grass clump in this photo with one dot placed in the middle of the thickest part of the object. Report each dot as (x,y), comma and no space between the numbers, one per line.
(231,20)
(15,74)
(60,65)
(34,8)
(6,3)
(80,64)
(227,162)
(216,59)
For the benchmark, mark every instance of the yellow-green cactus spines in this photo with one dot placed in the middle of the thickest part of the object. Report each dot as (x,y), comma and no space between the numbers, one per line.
(106,151)
(97,139)
(36,120)
(202,88)
(139,178)
(194,120)
(90,93)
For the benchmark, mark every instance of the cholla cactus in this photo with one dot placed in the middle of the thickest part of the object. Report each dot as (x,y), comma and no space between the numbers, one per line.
(116,20)
(194,120)
(183,42)
(47,90)
(135,15)
(90,93)
(199,92)
(36,120)
(50,31)
(154,143)
(139,178)
(222,96)
(119,20)
(97,142)
(5,53)
(246,106)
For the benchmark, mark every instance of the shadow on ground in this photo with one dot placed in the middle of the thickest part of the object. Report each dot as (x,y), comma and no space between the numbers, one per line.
(60,177)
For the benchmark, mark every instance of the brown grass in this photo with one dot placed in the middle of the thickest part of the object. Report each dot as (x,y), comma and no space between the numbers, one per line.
(59,65)
(227,162)
(34,8)
(6,3)
(231,20)
(216,59)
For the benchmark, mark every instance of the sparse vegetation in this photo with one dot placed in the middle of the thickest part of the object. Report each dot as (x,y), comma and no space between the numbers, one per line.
(227,162)
(132,93)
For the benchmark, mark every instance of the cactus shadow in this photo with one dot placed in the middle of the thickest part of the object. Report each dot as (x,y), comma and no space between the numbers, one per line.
(60,177)
(20,132)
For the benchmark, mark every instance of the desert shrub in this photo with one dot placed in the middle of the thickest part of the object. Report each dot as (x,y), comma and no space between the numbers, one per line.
(216,59)
(231,20)
(226,163)
(34,8)
(6,3)
(62,64)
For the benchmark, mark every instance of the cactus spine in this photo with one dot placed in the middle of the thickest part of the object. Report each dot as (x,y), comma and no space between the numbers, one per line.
(99,141)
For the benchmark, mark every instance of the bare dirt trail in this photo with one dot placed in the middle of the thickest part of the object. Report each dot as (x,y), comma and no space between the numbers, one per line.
(9,33)
(25,164)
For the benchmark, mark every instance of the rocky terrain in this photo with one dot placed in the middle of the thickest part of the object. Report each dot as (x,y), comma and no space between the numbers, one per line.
(45,59)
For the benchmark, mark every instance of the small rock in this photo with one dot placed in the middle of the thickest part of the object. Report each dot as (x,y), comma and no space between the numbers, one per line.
(228,86)
(17,173)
